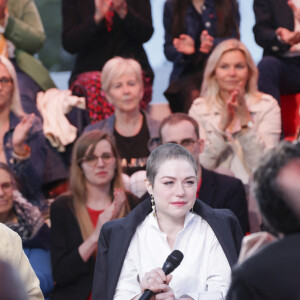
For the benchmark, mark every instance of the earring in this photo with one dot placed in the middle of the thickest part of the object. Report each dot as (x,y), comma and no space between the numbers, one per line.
(153,206)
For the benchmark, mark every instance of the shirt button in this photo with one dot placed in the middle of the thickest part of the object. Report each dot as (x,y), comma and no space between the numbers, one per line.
(11,160)
(275,48)
(207,24)
(203,7)
(7,145)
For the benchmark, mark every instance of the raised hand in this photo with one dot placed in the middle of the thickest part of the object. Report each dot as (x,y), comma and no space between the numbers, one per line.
(101,8)
(238,102)
(21,131)
(287,36)
(206,42)
(253,242)
(184,44)
(120,7)
(229,113)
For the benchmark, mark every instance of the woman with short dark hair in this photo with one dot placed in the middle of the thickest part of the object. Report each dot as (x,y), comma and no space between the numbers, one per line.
(171,219)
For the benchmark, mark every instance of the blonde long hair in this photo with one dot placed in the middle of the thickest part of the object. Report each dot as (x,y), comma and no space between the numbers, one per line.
(15,105)
(210,88)
(78,190)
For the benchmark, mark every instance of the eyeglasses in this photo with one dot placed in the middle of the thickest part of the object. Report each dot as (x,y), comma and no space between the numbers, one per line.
(92,159)
(6,186)
(5,81)
(186,143)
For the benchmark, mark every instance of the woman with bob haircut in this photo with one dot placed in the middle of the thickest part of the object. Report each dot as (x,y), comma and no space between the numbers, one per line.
(170,219)
(238,123)
(22,142)
(96,196)
(136,134)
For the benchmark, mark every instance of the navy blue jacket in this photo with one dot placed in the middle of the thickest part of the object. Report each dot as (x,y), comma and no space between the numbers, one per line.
(115,238)
(209,16)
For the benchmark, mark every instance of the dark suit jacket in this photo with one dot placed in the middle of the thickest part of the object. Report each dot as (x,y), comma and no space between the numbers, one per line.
(269,15)
(221,191)
(72,276)
(271,274)
(116,235)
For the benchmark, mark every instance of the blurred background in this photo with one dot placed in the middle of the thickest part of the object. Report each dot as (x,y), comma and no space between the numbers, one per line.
(59,62)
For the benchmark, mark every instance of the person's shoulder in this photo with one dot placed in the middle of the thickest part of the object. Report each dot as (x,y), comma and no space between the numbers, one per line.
(132,199)
(103,124)
(207,211)
(113,225)
(199,105)
(62,202)
(10,241)
(97,125)
(262,102)
(199,101)
(228,181)
(132,220)
(7,233)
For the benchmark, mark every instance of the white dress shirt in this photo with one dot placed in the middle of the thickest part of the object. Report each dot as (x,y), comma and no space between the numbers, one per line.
(204,266)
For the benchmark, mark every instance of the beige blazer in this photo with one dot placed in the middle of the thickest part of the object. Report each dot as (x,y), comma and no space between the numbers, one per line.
(11,251)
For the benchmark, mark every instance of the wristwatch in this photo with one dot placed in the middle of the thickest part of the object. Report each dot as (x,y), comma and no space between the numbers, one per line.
(250,125)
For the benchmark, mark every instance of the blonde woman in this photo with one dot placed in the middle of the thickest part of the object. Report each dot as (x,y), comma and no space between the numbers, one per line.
(22,142)
(135,132)
(238,123)
(96,196)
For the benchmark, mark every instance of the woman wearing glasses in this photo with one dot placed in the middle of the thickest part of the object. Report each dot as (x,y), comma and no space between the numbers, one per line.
(96,196)
(22,142)
(25,219)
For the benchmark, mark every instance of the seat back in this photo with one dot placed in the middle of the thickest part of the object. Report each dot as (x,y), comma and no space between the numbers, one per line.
(290,114)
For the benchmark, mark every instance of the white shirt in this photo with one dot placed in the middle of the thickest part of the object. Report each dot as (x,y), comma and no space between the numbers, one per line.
(203,268)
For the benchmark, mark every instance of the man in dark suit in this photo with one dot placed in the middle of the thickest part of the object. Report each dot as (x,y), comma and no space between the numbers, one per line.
(273,271)
(216,190)
(277,31)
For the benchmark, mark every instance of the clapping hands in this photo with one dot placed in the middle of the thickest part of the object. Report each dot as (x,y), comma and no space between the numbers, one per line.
(206,42)
(112,211)
(235,108)
(103,6)
(184,44)
(287,36)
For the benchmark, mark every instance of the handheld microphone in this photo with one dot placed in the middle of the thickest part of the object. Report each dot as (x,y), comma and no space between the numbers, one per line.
(171,263)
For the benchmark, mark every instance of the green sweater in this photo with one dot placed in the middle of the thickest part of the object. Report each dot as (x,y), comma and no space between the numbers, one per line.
(25,30)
